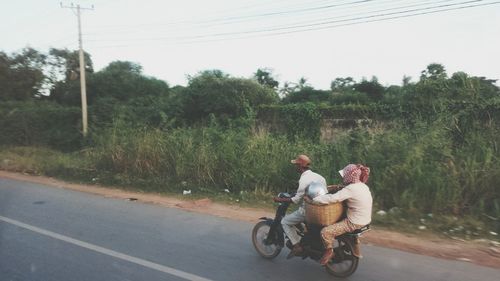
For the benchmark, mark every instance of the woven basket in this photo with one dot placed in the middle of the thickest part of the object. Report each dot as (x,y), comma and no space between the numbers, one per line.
(324,214)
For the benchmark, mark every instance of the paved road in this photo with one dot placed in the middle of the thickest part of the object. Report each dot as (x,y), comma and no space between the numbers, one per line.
(48,233)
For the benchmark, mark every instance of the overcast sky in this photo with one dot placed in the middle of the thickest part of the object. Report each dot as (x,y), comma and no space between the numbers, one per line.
(318,40)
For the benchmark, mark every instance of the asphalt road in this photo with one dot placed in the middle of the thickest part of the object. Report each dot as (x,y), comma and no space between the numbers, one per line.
(48,233)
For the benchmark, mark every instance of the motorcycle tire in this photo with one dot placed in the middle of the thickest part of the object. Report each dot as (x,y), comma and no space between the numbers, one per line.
(259,234)
(344,263)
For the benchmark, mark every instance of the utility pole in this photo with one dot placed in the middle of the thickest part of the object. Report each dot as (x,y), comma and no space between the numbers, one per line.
(83,87)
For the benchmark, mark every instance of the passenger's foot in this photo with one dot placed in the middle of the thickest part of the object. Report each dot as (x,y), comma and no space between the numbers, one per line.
(296,251)
(327,256)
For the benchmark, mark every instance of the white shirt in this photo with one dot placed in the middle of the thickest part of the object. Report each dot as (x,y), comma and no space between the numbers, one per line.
(359,202)
(305,180)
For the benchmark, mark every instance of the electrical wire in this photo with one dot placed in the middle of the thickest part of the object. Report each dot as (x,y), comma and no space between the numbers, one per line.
(231,19)
(309,21)
(316,25)
(193,41)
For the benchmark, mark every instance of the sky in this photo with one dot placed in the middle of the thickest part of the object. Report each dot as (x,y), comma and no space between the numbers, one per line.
(317,40)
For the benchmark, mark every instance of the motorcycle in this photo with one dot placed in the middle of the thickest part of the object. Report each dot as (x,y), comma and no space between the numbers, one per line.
(269,239)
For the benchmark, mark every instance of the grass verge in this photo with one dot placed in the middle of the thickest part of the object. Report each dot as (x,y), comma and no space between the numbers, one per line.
(78,167)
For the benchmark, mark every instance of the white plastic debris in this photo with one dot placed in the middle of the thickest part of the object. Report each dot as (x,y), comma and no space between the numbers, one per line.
(381,213)
(226,190)
(186,192)
(422,227)
(493,233)
(394,210)
(458,239)
(464,259)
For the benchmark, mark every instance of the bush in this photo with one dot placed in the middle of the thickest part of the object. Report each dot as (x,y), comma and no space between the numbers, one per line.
(40,123)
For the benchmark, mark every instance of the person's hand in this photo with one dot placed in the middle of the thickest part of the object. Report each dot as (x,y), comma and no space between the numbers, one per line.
(282,200)
(308,199)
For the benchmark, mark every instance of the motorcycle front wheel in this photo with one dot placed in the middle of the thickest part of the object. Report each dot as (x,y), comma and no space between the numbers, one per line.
(344,263)
(260,233)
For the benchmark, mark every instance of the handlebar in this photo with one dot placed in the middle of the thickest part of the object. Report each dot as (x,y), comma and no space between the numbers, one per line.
(286,195)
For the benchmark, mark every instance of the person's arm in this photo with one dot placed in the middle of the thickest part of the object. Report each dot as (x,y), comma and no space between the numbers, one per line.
(340,196)
(334,187)
(300,191)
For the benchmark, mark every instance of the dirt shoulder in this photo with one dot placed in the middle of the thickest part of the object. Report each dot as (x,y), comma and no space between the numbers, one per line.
(482,253)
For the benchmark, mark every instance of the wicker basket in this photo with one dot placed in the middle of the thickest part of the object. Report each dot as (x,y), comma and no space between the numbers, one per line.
(324,214)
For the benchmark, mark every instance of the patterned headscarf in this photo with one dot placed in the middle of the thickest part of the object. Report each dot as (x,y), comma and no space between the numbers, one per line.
(354,173)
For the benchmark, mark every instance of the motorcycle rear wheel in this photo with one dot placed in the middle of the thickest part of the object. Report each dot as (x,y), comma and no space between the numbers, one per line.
(259,235)
(344,263)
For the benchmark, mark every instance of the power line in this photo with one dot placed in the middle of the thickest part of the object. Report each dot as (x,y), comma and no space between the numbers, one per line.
(193,40)
(332,21)
(296,10)
(187,25)
(395,17)
(309,22)
(231,19)
(316,25)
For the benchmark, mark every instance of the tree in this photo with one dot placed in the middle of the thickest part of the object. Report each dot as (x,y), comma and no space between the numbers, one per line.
(124,81)
(302,84)
(307,94)
(462,86)
(342,85)
(21,74)
(213,92)
(64,71)
(66,64)
(372,88)
(434,71)
(431,89)
(264,77)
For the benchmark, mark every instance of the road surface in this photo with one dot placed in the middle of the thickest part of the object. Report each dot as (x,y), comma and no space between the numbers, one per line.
(47,233)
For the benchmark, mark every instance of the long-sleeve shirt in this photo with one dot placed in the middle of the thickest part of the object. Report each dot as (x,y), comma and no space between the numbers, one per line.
(359,202)
(306,178)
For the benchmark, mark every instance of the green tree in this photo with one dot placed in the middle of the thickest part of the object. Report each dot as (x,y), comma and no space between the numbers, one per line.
(65,64)
(124,81)
(343,85)
(21,74)
(372,88)
(64,69)
(214,92)
(120,81)
(434,71)
(465,87)
(265,77)
(121,90)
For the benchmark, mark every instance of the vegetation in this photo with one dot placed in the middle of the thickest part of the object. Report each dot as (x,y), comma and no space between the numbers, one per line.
(432,144)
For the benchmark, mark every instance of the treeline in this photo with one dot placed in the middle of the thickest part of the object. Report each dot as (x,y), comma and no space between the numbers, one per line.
(122,90)
(437,150)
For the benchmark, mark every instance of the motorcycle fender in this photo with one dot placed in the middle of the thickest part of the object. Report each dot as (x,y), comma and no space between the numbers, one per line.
(280,237)
(266,219)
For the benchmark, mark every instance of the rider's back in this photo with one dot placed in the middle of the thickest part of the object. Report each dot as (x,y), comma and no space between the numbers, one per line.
(359,202)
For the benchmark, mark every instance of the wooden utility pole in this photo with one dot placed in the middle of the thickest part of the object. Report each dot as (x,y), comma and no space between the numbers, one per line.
(83,87)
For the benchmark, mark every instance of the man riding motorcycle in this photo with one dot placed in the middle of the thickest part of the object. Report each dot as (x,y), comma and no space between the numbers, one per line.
(289,222)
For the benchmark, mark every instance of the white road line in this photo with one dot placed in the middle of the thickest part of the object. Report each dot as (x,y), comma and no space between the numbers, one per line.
(145,263)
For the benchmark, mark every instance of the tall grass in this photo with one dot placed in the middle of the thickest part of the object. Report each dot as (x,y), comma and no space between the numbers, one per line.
(420,170)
